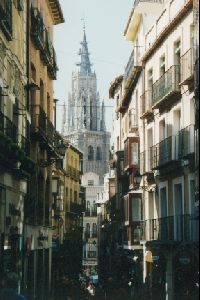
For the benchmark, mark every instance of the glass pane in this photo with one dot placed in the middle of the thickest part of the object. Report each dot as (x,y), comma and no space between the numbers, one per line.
(134,154)
(136,209)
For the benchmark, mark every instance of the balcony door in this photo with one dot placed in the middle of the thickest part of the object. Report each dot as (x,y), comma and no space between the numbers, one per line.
(178,209)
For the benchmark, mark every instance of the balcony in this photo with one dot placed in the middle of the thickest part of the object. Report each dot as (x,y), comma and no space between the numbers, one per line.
(163,154)
(166,90)
(6,18)
(52,68)
(131,76)
(146,105)
(76,208)
(172,149)
(25,145)
(43,130)
(187,67)
(183,228)
(8,128)
(46,51)
(131,153)
(37,29)
(133,121)
(186,142)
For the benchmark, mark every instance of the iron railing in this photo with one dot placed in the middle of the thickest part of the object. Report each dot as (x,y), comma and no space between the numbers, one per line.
(25,145)
(132,66)
(8,128)
(146,103)
(173,148)
(6,18)
(37,28)
(173,228)
(187,66)
(76,208)
(52,68)
(168,83)
(46,51)
(186,141)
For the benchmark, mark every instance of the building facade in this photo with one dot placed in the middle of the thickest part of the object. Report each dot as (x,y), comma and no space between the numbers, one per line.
(41,16)
(14,144)
(155,150)
(67,215)
(85,128)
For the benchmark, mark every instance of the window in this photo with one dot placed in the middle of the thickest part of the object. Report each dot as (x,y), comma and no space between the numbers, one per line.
(162,65)
(90,182)
(134,154)
(177,53)
(90,153)
(136,209)
(99,153)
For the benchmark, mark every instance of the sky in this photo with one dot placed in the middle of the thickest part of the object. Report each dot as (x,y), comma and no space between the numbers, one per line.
(105,21)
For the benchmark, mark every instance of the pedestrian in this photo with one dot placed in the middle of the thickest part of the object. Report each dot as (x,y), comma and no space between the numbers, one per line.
(9,285)
(91,291)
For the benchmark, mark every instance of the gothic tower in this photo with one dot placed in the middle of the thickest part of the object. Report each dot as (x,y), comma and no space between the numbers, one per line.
(85,125)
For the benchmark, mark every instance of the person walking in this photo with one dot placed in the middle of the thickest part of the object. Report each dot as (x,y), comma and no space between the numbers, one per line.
(91,291)
(9,285)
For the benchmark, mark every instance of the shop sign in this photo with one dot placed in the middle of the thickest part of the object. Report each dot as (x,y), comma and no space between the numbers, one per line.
(184,260)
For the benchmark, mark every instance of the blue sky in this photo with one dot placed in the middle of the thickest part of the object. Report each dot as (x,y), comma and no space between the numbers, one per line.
(105,22)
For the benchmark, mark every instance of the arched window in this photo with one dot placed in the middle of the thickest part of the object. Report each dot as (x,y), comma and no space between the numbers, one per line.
(99,153)
(90,153)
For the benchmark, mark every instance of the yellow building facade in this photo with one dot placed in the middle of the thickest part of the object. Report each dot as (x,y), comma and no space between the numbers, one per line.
(14,147)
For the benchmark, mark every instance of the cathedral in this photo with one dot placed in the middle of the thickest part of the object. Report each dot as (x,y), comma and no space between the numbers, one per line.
(84,126)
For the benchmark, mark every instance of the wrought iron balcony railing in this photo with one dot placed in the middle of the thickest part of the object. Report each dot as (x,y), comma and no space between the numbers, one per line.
(161,154)
(52,68)
(43,128)
(46,51)
(146,104)
(37,28)
(6,18)
(76,208)
(25,145)
(174,228)
(187,66)
(132,69)
(173,148)
(186,142)
(8,128)
(166,86)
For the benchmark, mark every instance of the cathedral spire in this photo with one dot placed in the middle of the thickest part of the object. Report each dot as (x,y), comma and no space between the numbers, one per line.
(85,65)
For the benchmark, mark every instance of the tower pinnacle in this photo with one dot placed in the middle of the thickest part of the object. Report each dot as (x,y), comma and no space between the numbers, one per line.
(85,65)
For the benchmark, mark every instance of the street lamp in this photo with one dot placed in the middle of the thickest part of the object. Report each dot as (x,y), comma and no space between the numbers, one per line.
(137,178)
